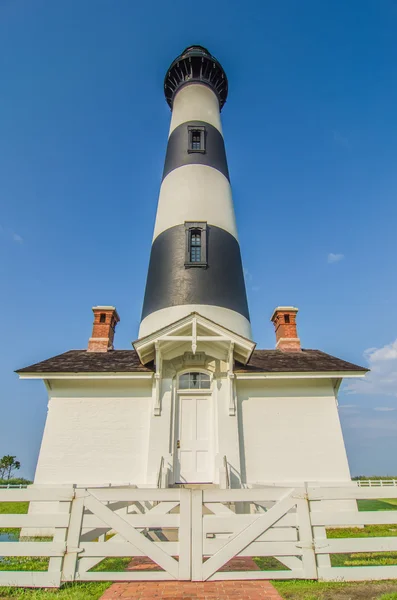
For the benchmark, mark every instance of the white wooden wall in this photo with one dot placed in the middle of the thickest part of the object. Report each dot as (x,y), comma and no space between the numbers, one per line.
(290,431)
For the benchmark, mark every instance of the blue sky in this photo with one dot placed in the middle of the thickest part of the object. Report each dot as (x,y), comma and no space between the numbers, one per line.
(310,130)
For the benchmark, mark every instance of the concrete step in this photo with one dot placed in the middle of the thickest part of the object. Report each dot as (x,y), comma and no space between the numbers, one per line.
(195,486)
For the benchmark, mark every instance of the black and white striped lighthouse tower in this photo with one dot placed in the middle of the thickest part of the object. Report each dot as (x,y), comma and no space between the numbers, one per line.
(195,262)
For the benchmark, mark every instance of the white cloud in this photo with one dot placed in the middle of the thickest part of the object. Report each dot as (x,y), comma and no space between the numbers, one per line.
(372,428)
(249,280)
(247,275)
(8,234)
(333,258)
(382,379)
(384,408)
(348,405)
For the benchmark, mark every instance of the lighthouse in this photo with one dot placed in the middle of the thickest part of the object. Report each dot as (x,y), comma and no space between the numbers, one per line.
(194,401)
(195,262)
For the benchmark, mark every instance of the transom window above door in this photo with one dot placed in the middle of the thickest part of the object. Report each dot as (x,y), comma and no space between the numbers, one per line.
(194,381)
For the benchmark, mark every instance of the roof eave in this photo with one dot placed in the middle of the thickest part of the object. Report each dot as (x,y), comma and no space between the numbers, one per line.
(300,374)
(92,375)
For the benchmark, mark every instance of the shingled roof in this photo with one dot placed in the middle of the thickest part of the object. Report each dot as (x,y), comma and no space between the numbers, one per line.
(127,361)
(277,361)
(81,361)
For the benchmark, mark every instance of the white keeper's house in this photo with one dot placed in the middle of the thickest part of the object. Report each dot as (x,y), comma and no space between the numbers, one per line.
(194,401)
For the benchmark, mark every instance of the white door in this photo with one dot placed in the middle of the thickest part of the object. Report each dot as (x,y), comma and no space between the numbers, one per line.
(194,440)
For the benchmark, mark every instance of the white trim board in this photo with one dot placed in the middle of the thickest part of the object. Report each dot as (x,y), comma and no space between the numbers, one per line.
(301,375)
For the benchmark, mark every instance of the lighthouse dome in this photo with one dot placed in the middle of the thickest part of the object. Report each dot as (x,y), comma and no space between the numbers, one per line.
(196,65)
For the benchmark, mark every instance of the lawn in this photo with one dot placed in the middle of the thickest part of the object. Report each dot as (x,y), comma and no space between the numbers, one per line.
(318,590)
(20,508)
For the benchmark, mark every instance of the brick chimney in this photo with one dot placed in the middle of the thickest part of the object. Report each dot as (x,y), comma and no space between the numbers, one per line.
(284,319)
(105,321)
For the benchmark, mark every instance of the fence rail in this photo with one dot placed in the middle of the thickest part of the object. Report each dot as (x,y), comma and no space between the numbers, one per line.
(376,482)
(194,534)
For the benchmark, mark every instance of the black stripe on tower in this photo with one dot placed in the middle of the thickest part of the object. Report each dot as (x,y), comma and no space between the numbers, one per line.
(178,154)
(170,283)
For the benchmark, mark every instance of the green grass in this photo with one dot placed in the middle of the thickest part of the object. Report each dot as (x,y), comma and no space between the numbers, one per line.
(330,590)
(389,504)
(269,563)
(363,532)
(75,591)
(16,508)
(112,564)
(72,591)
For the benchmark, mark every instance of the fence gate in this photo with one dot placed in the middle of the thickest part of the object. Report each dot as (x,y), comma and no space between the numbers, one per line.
(123,523)
(271,522)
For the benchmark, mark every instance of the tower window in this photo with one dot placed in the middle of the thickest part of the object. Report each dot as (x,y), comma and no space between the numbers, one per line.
(196,244)
(102,318)
(286,318)
(196,139)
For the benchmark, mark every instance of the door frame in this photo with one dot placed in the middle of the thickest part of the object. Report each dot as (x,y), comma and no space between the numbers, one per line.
(177,424)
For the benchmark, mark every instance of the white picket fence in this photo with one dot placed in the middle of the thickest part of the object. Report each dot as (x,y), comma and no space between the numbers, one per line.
(193,534)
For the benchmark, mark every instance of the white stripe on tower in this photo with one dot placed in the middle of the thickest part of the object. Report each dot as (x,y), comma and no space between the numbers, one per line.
(195,208)
(195,193)
(196,103)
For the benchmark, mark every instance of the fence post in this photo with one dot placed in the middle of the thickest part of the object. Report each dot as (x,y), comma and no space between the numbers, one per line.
(185,535)
(73,539)
(197,535)
(55,562)
(306,537)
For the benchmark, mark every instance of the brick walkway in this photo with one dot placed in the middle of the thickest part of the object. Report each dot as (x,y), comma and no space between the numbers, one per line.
(191,590)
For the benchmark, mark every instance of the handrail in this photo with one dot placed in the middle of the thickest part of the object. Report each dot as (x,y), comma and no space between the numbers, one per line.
(226,466)
(160,472)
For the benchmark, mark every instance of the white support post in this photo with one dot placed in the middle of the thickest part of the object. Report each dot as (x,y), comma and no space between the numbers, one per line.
(157,382)
(73,540)
(55,563)
(306,538)
(197,535)
(320,540)
(194,335)
(232,387)
(185,536)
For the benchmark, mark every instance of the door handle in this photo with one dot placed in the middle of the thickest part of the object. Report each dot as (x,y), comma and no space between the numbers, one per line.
(178,443)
